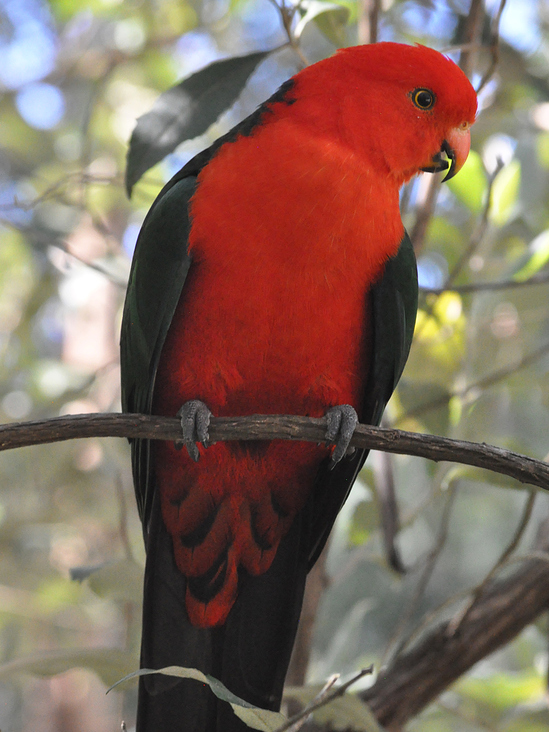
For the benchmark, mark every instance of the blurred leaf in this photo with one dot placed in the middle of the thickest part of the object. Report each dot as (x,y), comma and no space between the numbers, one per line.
(505,191)
(438,341)
(108,663)
(503,691)
(347,712)
(365,520)
(261,719)
(330,18)
(536,258)
(122,580)
(56,593)
(542,145)
(256,718)
(186,111)
(470,185)
(445,235)
(455,410)
(173,17)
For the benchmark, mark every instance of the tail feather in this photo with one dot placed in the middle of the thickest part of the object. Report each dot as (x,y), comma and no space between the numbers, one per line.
(249,654)
(168,639)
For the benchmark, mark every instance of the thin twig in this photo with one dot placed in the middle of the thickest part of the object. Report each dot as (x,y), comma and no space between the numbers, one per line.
(484,383)
(421,586)
(474,242)
(458,620)
(325,697)
(417,677)
(494,48)
(301,717)
(430,617)
(368,23)
(287,14)
(473,30)
(52,191)
(480,229)
(541,278)
(424,214)
(317,583)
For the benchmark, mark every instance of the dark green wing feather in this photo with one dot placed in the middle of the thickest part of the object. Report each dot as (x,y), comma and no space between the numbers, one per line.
(394,309)
(158,274)
(157,277)
(393,303)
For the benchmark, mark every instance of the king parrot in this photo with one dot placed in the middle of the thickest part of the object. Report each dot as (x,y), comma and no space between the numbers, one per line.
(272,275)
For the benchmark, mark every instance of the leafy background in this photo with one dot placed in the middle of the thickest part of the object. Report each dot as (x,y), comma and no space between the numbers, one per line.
(74,77)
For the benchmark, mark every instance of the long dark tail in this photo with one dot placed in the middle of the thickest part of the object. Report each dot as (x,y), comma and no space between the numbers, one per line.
(249,654)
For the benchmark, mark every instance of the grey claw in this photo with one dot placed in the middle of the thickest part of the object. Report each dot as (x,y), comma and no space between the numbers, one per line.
(195,420)
(341,421)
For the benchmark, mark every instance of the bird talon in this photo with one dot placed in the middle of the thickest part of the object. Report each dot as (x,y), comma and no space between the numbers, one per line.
(341,422)
(195,420)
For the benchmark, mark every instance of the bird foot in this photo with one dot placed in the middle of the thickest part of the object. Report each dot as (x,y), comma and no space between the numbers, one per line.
(195,420)
(342,421)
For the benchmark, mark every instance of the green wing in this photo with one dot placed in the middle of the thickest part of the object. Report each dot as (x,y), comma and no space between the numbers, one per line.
(159,270)
(393,307)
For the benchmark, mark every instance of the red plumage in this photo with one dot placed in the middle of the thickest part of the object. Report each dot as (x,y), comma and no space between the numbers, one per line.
(291,226)
(293,221)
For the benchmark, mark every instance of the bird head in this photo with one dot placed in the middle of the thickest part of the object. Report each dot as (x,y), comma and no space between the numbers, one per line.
(404,109)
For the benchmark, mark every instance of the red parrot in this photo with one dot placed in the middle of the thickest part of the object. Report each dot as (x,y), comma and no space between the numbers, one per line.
(272,275)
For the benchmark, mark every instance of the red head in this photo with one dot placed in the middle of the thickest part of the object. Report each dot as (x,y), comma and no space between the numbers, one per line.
(400,107)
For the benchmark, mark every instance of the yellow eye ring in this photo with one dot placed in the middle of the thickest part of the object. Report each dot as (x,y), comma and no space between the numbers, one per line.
(423,98)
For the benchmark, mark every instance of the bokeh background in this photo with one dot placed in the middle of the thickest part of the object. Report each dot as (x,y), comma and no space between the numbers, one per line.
(74,76)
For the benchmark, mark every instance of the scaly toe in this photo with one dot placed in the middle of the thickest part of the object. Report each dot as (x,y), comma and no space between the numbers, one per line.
(341,423)
(195,420)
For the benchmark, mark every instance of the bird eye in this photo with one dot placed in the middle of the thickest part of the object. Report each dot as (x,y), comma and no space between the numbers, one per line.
(423,98)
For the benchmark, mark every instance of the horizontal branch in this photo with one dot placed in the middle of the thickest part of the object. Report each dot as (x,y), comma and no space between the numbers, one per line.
(270,427)
(418,676)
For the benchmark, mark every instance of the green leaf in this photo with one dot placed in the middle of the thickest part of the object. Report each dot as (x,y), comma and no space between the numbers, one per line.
(186,111)
(256,718)
(108,663)
(537,258)
(347,712)
(365,520)
(122,580)
(503,691)
(505,191)
(330,18)
(469,187)
(261,719)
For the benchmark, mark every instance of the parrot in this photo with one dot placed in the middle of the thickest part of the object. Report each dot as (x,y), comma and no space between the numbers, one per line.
(272,275)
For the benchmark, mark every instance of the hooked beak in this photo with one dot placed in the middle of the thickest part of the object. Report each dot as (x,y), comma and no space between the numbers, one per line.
(456,148)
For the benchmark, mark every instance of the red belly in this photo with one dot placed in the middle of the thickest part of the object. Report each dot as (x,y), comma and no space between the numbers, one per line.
(273,319)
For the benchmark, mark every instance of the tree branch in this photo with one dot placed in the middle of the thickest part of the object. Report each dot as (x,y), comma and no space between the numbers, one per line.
(417,677)
(542,278)
(272,427)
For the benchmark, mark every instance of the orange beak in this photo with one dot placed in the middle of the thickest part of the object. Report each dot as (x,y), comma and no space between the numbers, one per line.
(456,147)
(459,142)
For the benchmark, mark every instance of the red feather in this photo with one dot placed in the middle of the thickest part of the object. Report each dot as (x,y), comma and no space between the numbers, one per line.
(291,227)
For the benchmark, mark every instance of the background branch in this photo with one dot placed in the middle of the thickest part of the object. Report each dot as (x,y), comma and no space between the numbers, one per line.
(417,677)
